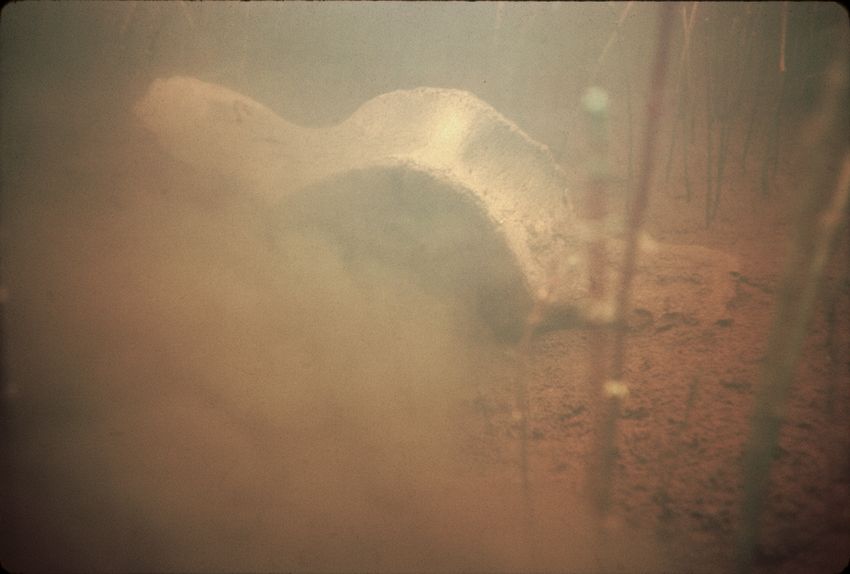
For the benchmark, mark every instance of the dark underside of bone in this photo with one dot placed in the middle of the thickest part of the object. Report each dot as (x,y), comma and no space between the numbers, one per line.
(417,223)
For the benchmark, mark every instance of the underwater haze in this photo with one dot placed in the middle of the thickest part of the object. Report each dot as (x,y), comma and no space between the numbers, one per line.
(200,376)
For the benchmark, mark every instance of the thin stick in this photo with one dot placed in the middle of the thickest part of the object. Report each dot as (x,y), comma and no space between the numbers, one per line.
(789,332)
(686,53)
(685,154)
(672,147)
(783,36)
(753,114)
(690,116)
(591,81)
(728,107)
(495,39)
(690,32)
(721,167)
(758,59)
(833,319)
(637,213)
(629,118)
(596,210)
(746,44)
(614,35)
(522,410)
(129,12)
(668,471)
(822,215)
(612,392)
(772,160)
(522,407)
(709,130)
(681,84)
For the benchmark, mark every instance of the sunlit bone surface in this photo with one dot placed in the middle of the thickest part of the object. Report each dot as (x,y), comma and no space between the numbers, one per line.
(453,145)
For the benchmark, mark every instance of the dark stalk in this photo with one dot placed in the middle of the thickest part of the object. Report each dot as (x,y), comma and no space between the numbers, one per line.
(615,35)
(690,116)
(676,124)
(685,169)
(790,327)
(727,109)
(681,88)
(627,76)
(762,73)
(821,214)
(596,211)
(521,410)
(721,166)
(662,495)
(614,390)
(709,129)
(771,162)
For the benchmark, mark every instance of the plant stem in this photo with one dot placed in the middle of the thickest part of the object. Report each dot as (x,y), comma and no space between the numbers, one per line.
(789,331)
(772,160)
(821,217)
(761,74)
(681,86)
(610,398)
(615,34)
(522,413)
(596,212)
(629,118)
(709,130)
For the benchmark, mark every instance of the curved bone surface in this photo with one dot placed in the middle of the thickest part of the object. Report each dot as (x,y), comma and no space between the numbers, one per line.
(450,135)
(451,144)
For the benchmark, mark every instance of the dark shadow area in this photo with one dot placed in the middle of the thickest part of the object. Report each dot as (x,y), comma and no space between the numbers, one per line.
(412,222)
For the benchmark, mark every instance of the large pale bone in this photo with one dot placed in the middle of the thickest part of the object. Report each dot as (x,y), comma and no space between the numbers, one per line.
(449,133)
(453,137)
